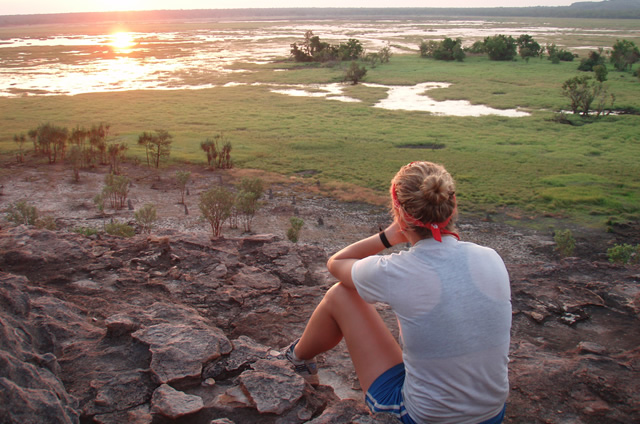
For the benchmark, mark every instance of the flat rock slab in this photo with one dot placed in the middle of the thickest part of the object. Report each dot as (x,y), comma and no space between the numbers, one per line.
(272,385)
(180,350)
(174,404)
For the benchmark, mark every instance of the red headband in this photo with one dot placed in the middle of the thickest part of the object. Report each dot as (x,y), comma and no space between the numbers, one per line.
(435,227)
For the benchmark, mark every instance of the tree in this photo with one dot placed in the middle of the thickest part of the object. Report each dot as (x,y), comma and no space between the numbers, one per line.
(156,145)
(115,152)
(582,92)
(215,206)
(385,54)
(98,141)
(247,200)
(477,47)
(210,148)
(354,73)
(20,139)
(594,59)
(500,47)
(78,139)
(182,178)
(601,72)
(51,141)
(624,54)
(427,48)
(75,157)
(351,50)
(144,139)
(217,156)
(528,47)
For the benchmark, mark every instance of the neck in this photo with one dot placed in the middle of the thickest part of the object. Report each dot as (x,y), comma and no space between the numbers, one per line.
(412,237)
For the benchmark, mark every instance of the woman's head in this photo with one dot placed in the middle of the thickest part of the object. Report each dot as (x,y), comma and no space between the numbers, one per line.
(423,193)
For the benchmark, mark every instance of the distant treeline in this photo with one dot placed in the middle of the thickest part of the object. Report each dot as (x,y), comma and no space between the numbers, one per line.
(611,9)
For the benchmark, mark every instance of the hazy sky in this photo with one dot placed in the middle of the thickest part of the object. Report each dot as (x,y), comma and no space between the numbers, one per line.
(19,7)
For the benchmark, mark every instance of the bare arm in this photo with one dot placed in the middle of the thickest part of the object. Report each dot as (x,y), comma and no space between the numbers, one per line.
(340,264)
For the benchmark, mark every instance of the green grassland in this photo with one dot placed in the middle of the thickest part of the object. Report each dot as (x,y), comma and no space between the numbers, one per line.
(532,165)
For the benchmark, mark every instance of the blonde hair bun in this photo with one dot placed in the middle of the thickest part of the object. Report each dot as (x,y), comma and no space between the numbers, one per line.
(435,189)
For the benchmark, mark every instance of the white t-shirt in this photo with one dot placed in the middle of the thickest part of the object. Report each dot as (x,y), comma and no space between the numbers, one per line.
(453,303)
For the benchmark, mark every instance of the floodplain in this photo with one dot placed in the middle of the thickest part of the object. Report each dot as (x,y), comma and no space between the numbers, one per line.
(199,79)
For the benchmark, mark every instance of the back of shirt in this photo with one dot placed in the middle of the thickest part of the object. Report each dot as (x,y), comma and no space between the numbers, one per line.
(452,300)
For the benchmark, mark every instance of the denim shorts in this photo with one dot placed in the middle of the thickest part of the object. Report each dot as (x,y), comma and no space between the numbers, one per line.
(385,395)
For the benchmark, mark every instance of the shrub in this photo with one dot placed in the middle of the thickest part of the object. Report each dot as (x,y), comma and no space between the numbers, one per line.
(477,48)
(120,229)
(565,243)
(21,213)
(601,72)
(46,222)
(624,254)
(146,216)
(98,199)
(215,205)
(293,232)
(595,58)
(85,231)
(556,55)
(116,190)
(354,73)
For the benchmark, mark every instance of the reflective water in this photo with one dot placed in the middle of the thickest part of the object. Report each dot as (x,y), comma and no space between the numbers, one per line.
(194,58)
(400,97)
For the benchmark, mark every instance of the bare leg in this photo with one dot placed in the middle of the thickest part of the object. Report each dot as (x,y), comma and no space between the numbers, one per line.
(343,313)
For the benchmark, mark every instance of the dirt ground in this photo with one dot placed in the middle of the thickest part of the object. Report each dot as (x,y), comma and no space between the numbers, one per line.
(329,222)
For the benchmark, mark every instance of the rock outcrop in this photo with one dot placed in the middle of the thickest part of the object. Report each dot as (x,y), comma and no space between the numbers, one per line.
(179,328)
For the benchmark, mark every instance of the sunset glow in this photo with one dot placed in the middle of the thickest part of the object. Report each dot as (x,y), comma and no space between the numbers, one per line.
(122,41)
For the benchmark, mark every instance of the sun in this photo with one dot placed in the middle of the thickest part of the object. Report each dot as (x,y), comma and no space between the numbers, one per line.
(122,41)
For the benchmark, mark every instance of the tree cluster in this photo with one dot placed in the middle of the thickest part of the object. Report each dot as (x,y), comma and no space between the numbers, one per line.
(314,50)
(218,151)
(622,56)
(82,148)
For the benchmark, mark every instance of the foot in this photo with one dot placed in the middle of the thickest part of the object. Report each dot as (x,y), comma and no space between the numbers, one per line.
(301,366)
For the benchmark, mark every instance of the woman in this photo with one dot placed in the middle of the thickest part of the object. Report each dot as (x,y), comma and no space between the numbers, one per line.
(452,301)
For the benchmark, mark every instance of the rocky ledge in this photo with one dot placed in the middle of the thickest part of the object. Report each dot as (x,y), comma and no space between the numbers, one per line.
(177,328)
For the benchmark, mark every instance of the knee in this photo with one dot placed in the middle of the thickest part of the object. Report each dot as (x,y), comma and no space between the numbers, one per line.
(341,296)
